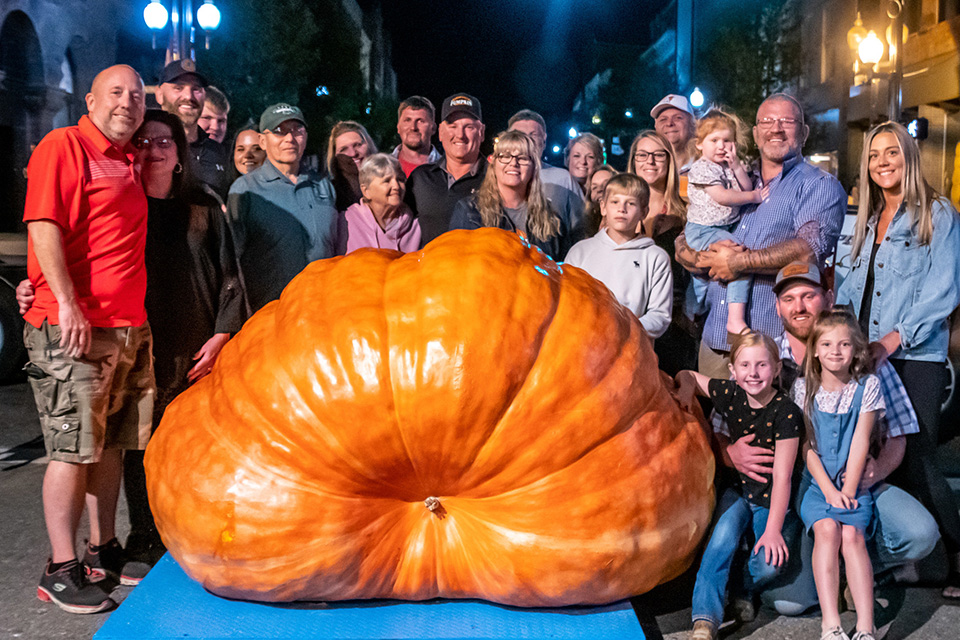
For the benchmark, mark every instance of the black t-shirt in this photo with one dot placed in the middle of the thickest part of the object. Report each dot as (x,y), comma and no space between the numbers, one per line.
(781,419)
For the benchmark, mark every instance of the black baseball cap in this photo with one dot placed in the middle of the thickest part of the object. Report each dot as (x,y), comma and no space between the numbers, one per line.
(460,103)
(180,68)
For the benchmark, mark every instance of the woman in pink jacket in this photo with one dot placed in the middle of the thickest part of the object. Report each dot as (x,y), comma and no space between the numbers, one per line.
(380,220)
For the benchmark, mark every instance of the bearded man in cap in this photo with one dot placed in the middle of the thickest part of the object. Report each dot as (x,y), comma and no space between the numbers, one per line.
(182,92)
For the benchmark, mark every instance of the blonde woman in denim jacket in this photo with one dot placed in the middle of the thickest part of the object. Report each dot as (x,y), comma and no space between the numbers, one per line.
(903,285)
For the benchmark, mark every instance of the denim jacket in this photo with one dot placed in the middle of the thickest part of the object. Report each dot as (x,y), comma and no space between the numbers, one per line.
(916,287)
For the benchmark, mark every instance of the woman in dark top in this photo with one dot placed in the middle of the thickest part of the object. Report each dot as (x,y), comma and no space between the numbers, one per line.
(349,145)
(511,197)
(904,283)
(652,158)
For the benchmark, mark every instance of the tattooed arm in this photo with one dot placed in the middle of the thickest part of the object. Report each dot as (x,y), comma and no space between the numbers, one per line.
(726,264)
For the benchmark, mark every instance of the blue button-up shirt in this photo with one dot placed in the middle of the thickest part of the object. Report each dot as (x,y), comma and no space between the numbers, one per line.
(279,227)
(799,194)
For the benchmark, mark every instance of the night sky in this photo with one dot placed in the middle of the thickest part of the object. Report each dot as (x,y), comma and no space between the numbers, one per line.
(510,54)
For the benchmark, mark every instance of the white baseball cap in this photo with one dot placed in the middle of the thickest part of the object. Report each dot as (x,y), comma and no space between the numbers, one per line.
(672,101)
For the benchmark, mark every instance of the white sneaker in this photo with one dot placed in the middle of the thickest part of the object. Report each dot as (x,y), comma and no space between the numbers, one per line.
(836,633)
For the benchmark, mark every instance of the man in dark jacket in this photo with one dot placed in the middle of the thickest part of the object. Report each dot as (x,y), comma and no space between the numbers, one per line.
(433,189)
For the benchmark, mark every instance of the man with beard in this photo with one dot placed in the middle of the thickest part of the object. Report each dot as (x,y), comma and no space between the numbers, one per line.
(799,220)
(416,124)
(182,92)
(906,532)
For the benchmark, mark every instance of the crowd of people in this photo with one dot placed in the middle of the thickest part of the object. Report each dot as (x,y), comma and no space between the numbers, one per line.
(148,250)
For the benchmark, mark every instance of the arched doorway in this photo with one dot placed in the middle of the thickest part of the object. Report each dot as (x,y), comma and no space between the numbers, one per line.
(22,95)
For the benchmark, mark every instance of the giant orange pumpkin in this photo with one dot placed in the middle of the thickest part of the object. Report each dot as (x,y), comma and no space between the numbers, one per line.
(469,421)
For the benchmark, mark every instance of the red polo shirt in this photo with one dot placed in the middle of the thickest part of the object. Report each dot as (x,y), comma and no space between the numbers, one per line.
(91,189)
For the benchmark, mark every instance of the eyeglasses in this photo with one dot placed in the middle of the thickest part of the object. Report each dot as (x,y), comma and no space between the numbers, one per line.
(643,156)
(506,158)
(768,123)
(159,143)
(283,129)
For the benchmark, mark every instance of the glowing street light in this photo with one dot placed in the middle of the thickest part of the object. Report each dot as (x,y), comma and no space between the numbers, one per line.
(155,15)
(870,49)
(628,114)
(696,98)
(208,16)
(572,132)
(556,148)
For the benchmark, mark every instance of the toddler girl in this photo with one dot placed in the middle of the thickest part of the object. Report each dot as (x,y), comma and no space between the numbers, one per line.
(842,402)
(718,185)
(751,405)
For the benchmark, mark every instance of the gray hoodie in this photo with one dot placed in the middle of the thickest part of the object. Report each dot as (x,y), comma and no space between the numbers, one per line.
(637,272)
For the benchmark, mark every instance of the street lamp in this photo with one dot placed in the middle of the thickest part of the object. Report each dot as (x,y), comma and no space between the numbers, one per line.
(870,50)
(182,31)
(696,98)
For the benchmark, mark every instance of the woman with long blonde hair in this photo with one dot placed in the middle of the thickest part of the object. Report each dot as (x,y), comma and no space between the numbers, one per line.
(511,197)
(903,285)
(652,158)
(348,146)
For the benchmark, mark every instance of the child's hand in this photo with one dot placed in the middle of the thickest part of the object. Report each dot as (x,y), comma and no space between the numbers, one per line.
(733,160)
(686,390)
(774,548)
(839,500)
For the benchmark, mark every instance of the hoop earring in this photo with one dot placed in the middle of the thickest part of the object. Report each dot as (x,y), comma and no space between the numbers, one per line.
(178,168)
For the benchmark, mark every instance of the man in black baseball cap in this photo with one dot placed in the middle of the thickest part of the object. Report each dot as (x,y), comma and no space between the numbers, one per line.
(433,189)
(182,92)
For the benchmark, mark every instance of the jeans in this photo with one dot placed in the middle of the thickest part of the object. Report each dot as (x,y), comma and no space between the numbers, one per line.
(700,237)
(906,532)
(733,516)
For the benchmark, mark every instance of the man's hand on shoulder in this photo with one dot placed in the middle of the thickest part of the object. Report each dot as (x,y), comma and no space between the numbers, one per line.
(752,461)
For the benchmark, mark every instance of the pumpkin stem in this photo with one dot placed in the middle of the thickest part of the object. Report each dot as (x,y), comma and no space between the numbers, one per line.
(433,504)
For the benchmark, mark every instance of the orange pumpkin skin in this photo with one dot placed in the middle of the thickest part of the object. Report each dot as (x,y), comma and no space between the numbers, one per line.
(517,392)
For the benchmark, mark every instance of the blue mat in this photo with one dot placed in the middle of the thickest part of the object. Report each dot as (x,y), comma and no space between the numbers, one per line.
(169,605)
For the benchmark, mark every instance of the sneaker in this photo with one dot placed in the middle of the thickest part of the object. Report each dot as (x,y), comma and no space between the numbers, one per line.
(703,630)
(110,561)
(864,635)
(836,633)
(69,589)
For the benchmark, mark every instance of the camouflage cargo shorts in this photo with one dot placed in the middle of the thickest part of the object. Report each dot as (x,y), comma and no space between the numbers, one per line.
(103,400)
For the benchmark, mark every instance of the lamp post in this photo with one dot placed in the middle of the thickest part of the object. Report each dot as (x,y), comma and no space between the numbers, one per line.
(182,31)
(869,50)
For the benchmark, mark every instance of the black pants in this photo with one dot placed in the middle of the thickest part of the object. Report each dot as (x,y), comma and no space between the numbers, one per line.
(919,473)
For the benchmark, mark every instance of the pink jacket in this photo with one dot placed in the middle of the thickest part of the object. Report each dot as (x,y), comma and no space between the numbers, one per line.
(359,229)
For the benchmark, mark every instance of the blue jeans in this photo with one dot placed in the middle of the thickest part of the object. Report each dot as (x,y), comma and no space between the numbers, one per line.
(905,532)
(732,517)
(699,238)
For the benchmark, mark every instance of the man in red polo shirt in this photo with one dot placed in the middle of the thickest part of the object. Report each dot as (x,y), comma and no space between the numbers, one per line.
(87,335)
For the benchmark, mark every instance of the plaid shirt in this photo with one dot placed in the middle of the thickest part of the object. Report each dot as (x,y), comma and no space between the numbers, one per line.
(800,194)
(899,419)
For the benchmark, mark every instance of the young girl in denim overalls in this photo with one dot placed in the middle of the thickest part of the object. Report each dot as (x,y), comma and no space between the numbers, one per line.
(842,402)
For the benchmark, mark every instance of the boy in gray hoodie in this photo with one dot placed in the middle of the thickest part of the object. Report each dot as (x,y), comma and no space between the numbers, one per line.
(635,270)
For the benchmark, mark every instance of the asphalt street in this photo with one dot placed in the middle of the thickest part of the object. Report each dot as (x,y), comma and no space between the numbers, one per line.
(904,613)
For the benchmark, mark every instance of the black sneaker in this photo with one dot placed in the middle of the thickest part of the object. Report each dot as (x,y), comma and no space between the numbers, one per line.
(110,561)
(69,589)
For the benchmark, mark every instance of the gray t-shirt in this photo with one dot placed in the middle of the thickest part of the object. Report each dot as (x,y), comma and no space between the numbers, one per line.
(518,216)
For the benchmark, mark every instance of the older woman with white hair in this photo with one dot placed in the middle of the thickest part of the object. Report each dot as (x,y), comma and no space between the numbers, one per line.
(380,220)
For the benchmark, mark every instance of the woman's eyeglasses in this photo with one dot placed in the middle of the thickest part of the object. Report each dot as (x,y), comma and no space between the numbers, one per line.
(643,156)
(507,158)
(159,143)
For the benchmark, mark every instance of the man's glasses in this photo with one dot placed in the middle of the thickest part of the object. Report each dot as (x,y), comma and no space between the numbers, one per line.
(159,143)
(507,158)
(768,123)
(659,157)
